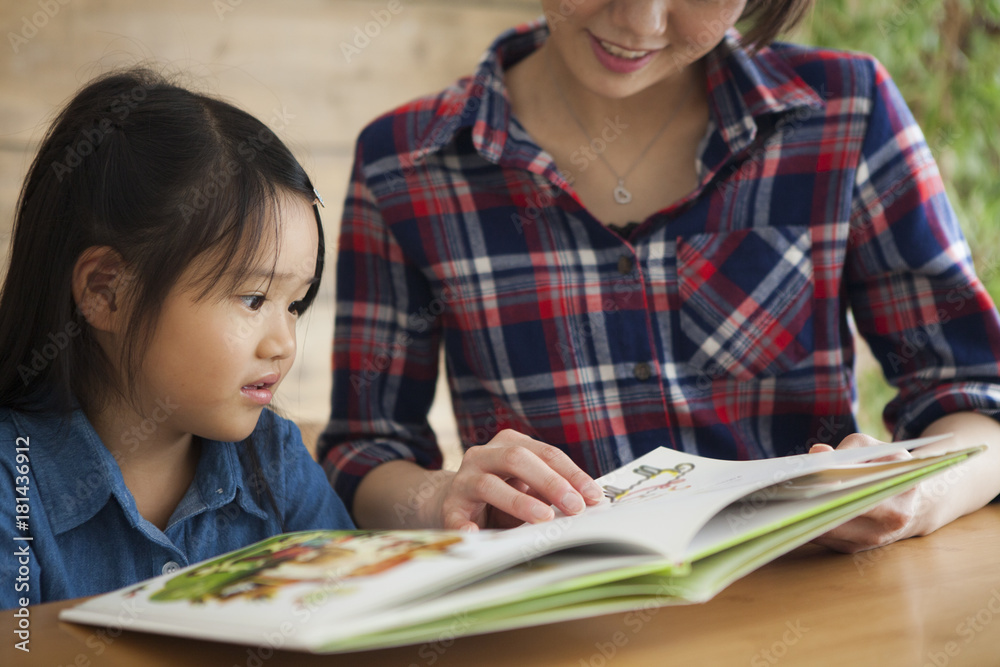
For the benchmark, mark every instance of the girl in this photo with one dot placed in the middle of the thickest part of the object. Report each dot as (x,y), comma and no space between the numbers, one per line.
(165,244)
(636,227)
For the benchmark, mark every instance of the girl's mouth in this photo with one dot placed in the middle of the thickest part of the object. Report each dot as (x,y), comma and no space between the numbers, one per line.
(260,392)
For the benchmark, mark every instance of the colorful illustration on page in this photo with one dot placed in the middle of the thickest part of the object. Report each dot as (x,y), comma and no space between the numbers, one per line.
(332,559)
(653,483)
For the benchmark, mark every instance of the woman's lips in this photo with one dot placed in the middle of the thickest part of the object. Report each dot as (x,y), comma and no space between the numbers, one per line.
(619,59)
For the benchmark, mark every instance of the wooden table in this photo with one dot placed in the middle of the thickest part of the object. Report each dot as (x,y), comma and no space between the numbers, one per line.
(932,601)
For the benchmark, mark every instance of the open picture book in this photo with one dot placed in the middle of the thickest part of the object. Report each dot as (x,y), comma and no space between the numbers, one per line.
(674,529)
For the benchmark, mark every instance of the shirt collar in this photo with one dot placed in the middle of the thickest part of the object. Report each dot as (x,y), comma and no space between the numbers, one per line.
(77,475)
(218,481)
(742,89)
(480,102)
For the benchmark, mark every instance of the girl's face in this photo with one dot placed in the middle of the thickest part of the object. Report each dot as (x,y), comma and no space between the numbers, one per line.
(214,363)
(617,48)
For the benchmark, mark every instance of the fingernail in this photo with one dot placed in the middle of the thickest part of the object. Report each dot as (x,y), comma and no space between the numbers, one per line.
(573,503)
(593,491)
(542,512)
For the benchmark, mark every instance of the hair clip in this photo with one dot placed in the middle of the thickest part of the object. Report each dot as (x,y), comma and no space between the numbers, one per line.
(318,198)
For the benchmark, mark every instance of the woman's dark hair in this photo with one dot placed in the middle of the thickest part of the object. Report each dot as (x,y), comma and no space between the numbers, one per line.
(160,174)
(766,19)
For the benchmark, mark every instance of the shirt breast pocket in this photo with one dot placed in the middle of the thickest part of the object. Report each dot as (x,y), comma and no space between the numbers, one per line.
(746,301)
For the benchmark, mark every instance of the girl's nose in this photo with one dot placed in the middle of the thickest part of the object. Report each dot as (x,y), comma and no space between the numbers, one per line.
(278,339)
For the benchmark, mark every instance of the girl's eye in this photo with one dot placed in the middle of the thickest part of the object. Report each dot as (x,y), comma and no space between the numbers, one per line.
(297,307)
(253,301)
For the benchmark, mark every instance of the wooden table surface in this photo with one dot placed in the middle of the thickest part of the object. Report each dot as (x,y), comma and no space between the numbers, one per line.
(932,601)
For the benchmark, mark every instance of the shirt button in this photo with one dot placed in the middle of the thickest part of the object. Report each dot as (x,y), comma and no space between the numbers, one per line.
(642,371)
(170,567)
(625,265)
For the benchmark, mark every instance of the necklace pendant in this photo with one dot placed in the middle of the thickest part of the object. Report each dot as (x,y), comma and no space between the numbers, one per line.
(622,195)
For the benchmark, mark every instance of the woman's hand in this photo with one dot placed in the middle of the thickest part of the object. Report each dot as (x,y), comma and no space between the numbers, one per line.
(938,500)
(510,480)
(893,519)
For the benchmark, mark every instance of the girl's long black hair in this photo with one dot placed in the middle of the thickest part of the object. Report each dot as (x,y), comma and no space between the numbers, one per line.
(162,175)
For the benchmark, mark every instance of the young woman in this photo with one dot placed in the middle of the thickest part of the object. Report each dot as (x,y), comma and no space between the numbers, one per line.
(164,246)
(635,227)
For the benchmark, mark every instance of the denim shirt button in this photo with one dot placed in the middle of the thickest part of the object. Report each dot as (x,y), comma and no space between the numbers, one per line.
(170,567)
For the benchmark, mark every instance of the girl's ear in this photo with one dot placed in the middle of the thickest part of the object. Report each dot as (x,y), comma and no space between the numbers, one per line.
(98,278)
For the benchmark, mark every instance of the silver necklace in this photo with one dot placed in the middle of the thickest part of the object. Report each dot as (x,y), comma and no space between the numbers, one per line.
(621,194)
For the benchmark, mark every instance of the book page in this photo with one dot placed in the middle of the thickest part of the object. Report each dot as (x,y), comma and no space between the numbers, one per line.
(321,578)
(661,500)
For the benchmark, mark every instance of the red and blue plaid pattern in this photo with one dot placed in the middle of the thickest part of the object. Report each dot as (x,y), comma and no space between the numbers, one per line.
(721,328)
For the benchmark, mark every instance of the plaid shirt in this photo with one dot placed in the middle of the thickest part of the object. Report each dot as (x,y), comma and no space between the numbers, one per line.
(721,327)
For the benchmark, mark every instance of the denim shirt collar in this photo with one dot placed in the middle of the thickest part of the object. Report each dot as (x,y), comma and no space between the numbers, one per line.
(742,88)
(77,475)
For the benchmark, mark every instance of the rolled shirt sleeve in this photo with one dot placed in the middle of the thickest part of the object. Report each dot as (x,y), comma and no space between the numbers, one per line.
(386,345)
(912,286)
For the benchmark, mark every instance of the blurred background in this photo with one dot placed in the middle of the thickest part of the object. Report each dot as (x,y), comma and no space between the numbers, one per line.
(318,70)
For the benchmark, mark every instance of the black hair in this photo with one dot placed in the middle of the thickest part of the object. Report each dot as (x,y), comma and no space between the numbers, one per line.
(160,174)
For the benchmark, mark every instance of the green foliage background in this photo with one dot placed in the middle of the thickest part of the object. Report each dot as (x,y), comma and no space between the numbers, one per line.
(945,57)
